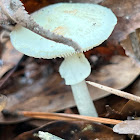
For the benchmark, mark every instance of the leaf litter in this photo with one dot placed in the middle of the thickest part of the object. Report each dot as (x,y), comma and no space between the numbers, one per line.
(119,72)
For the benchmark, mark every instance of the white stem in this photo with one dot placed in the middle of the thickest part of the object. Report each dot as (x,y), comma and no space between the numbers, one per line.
(83,100)
(74,69)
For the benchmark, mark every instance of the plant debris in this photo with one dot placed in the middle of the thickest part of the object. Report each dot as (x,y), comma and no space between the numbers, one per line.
(34,85)
(128,127)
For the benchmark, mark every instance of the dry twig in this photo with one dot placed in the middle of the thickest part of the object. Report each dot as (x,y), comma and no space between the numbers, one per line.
(116,92)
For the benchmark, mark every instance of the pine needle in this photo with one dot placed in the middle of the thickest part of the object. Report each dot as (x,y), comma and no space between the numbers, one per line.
(67,117)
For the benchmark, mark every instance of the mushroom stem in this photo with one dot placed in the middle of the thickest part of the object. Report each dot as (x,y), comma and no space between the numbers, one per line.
(83,100)
(74,69)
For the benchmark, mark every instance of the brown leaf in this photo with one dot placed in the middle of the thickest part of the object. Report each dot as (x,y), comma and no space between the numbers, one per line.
(131,108)
(10,58)
(135,87)
(116,73)
(111,106)
(75,131)
(127,12)
(34,5)
(47,97)
(104,52)
(132,45)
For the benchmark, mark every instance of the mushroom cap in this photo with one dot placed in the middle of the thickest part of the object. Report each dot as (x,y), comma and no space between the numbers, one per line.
(86,24)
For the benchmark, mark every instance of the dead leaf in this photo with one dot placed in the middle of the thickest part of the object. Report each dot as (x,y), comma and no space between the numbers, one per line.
(33,5)
(10,58)
(117,72)
(132,46)
(43,95)
(127,12)
(131,108)
(135,87)
(103,53)
(111,106)
(74,131)
(128,127)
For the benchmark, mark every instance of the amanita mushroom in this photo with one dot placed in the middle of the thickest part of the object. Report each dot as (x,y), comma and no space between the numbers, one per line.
(87,24)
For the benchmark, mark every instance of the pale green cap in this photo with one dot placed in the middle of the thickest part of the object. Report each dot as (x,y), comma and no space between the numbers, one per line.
(86,24)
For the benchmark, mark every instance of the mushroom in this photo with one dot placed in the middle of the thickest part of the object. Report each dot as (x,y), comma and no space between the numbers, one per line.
(87,24)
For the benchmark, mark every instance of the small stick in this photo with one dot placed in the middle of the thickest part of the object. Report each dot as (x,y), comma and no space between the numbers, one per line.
(116,92)
(68,117)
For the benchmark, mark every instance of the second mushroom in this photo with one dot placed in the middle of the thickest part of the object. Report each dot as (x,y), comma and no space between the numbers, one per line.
(87,24)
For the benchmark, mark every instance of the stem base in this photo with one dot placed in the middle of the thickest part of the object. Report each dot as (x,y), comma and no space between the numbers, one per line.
(83,100)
